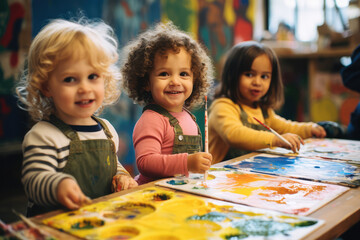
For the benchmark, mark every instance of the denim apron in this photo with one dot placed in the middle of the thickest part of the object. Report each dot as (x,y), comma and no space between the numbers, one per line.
(92,162)
(182,143)
(236,152)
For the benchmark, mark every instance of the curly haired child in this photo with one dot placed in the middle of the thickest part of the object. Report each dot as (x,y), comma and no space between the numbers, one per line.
(69,154)
(169,72)
(251,86)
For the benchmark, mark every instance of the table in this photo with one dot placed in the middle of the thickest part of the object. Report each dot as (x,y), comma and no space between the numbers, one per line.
(339,215)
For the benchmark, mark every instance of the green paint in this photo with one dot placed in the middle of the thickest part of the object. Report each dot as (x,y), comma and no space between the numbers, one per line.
(305,223)
(258,227)
(161,197)
(88,224)
(235,236)
(212,216)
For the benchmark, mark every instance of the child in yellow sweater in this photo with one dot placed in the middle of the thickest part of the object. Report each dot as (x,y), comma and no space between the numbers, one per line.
(251,86)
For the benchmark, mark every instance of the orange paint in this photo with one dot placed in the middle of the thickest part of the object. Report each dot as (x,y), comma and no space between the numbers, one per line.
(245,184)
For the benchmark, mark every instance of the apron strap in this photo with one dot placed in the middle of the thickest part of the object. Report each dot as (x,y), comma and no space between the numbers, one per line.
(173,121)
(64,128)
(244,119)
(104,126)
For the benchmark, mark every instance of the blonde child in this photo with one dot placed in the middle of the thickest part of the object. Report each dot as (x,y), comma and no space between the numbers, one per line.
(69,154)
(168,72)
(251,86)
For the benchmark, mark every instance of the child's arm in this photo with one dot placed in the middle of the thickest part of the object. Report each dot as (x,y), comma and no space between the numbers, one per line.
(199,162)
(224,119)
(43,160)
(153,140)
(303,129)
(70,195)
(318,131)
(122,180)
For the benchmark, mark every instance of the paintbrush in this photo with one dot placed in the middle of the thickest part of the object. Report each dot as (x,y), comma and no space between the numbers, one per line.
(206,135)
(31,224)
(274,132)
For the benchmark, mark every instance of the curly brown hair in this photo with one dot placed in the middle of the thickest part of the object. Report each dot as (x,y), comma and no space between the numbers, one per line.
(139,58)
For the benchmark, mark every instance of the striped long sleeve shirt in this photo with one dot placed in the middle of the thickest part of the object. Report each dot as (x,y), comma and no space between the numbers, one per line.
(46,150)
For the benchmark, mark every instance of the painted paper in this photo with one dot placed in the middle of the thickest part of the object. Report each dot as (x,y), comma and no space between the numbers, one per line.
(155,213)
(286,195)
(340,149)
(320,170)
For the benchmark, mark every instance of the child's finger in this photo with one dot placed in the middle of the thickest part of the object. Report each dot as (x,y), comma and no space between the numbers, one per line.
(126,184)
(70,204)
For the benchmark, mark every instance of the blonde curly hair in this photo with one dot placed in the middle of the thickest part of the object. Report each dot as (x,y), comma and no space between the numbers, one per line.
(139,57)
(62,39)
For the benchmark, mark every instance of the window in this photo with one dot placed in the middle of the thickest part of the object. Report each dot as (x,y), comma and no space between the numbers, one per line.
(303,16)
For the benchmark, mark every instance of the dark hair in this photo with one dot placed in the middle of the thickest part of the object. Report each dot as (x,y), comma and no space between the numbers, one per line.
(139,62)
(239,60)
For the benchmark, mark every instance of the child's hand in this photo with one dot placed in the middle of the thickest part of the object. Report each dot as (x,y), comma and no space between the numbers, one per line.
(294,139)
(199,162)
(70,195)
(318,131)
(122,182)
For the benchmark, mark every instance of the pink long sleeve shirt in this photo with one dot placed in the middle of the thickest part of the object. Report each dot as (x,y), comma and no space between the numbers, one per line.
(153,139)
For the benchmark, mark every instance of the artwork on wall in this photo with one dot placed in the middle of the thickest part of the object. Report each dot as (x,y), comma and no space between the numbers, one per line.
(320,170)
(259,190)
(341,149)
(15,37)
(156,213)
(330,99)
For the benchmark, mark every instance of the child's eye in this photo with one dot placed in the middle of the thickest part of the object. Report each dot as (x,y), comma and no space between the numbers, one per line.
(248,74)
(184,74)
(69,79)
(163,74)
(93,76)
(265,76)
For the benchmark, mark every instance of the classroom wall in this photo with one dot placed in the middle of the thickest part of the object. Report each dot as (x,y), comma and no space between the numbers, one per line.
(217,24)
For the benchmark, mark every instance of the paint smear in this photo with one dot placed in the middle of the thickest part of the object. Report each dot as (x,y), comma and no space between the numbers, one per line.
(305,168)
(183,216)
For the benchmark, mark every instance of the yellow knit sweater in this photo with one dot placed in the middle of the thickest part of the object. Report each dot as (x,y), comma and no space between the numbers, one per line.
(226,129)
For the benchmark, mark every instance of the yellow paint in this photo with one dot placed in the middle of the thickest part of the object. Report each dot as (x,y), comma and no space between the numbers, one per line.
(180,217)
(210,177)
(108,160)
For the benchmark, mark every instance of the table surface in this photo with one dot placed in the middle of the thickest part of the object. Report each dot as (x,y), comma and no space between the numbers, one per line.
(339,215)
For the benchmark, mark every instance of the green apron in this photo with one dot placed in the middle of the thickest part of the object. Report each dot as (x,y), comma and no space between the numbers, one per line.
(182,143)
(236,152)
(92,163)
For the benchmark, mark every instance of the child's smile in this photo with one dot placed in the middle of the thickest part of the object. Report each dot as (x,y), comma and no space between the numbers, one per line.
(171,80)
(77,90)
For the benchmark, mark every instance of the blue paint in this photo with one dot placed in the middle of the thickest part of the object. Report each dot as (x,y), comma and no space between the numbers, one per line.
(177,182)
(304,168)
